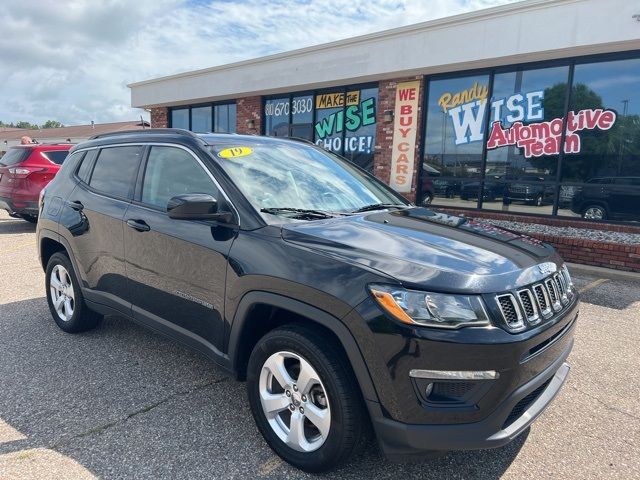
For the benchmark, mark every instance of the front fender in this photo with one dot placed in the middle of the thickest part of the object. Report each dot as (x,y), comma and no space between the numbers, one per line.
(335,325)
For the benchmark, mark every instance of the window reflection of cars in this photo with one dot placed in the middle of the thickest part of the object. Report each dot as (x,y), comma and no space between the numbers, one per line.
(446,188)
(567,193)
(493,189)
(427,183)
(427,190)
(531,190)
(615,198)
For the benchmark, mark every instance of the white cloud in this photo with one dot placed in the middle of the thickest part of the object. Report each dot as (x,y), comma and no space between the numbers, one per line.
(71,60)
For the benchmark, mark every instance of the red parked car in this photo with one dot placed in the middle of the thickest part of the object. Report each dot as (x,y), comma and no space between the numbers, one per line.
(24,171)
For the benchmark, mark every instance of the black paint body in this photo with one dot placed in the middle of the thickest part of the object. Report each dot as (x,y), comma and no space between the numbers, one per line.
(197,281)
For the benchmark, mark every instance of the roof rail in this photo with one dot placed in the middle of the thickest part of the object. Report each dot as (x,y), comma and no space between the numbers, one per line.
(147,131)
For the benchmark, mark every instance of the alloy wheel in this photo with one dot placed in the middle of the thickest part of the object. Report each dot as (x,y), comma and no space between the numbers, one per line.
(62,294)
(294,401)
(594,213)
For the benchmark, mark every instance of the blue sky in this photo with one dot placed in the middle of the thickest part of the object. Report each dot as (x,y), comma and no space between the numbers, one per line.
(71,60)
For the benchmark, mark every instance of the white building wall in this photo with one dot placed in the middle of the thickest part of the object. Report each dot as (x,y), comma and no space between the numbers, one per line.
(527,31)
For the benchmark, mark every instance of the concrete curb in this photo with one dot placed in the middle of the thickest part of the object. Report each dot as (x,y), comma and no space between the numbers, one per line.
(604,272)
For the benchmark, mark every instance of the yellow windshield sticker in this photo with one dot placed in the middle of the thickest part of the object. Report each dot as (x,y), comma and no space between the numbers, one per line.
(235,152)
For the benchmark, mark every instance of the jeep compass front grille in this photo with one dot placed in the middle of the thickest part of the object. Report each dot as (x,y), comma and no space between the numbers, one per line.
(535,303)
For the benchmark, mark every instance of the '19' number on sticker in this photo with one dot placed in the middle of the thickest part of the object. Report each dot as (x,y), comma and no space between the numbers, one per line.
(235,152)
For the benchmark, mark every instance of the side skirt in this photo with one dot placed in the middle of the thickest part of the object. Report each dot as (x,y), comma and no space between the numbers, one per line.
(109,305)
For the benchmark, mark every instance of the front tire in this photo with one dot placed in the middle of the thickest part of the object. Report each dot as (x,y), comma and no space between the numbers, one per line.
(64,297)
(304,398)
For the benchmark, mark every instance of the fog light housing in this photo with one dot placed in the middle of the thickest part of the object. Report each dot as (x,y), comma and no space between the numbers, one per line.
(428,389)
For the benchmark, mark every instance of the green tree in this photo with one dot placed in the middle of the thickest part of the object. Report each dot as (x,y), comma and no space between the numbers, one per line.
(23,124)
(52,124)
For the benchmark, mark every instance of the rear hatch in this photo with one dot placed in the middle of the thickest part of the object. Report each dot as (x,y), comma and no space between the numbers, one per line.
(14,156)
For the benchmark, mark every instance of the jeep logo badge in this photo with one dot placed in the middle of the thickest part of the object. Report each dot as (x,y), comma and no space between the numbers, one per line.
(546,268)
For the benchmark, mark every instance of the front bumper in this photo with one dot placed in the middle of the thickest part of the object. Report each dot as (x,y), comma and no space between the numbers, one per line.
(410,423)
(405,442)
(522,197)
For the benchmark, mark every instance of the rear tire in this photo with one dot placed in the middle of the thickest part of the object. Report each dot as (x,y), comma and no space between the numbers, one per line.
(334,424)
(64,297)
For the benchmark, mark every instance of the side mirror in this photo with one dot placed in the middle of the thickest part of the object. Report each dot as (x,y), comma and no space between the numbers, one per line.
(196,206)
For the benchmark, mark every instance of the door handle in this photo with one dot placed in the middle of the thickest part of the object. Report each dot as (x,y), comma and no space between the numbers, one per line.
(76,205)
(139,225)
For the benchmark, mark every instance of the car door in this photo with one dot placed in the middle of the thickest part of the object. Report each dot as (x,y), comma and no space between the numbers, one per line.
(625,194)
(92,220)
(176,268)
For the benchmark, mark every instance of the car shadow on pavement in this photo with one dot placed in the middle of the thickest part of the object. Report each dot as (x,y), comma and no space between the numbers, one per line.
(120,401)
(15,225)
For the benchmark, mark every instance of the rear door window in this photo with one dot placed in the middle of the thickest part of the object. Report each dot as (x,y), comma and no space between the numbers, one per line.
(14,156)
(56,156)
(115,171)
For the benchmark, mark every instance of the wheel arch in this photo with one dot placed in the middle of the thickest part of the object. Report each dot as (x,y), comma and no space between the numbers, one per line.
(249,326)
(50,242)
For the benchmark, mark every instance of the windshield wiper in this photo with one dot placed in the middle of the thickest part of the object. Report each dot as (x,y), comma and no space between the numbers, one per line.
(379,206)
(298,212)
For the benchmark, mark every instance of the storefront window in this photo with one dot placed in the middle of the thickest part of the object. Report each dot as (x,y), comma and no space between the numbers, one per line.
(601,169)
(346,123)
(180,118)
(225,118)
(205,118)
(595,174)
(451,170)
(276,117)
(523,142)
(201,119)
(302,117)
(342,121)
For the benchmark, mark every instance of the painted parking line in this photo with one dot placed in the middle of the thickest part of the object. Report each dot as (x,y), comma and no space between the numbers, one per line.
(593,284)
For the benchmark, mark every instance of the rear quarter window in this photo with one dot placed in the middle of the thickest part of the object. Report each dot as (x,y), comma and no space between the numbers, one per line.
(56,156)
(83,170)
(14,155)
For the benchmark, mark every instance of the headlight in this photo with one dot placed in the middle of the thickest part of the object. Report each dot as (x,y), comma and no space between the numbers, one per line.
(567,277)
(430,309)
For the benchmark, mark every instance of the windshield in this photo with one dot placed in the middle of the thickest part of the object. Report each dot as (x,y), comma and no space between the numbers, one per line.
(283,175)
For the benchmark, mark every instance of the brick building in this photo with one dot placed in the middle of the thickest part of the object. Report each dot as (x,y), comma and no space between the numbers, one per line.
(529,111)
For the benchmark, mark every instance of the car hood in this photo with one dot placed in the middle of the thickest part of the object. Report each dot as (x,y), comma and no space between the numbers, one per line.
(422,248)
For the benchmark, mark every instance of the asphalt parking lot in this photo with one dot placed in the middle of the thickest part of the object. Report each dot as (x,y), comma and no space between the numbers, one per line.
(121,402)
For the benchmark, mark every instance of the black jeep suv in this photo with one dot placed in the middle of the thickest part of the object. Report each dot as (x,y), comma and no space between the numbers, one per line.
(342,305)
